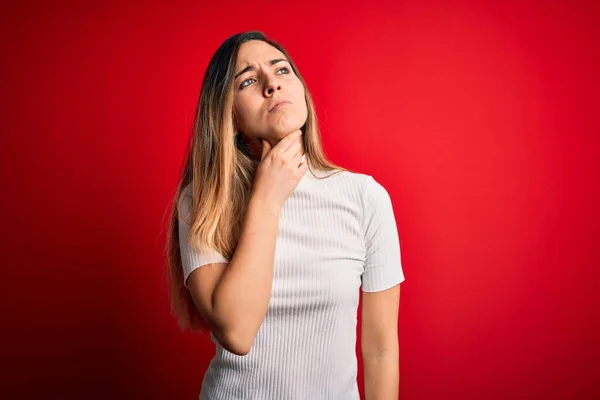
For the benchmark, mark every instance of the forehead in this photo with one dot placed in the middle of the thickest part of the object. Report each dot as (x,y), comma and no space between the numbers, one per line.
(256,51)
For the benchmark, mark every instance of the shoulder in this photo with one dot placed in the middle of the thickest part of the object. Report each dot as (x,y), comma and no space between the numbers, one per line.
(375,191)
(368,188)
(187,190)
(362,189)
(374,199)
(185,202)
(346,178)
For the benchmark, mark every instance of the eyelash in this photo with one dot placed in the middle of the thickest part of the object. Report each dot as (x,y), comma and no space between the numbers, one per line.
(244,86)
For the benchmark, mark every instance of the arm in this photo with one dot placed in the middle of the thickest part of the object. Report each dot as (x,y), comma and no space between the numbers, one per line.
(233,298)
(379,343)
(380,296)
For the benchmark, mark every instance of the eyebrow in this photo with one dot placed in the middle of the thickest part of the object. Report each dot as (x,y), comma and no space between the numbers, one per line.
(252,67)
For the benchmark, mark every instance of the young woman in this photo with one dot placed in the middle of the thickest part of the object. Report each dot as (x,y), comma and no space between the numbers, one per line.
(269,241)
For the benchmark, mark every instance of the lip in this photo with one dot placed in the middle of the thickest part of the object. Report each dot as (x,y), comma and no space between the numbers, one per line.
(277,103)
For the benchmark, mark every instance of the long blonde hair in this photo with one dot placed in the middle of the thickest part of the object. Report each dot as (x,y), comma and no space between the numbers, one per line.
(221,168)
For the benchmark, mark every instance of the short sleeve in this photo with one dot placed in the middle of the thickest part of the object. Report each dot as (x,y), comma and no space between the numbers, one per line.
(191,258)
(383,265)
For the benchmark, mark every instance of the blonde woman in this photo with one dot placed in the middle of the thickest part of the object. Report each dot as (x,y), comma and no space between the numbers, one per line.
(269,242)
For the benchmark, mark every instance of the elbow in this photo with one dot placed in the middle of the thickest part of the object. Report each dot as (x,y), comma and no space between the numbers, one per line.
(235,343)
(240,351)
(231,338)
(235,337)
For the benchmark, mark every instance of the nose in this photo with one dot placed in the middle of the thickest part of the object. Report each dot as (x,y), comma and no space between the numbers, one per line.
(271,86)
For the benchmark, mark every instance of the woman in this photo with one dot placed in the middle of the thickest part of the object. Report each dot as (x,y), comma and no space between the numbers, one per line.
(269,241)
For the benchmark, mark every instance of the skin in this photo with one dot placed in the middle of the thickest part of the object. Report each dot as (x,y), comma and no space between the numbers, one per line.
(255,91)
(379,343)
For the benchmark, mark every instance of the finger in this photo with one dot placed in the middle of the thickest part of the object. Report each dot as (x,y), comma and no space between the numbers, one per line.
(288,140)
(266,146)
(298,159)
(303,165)
(293,149)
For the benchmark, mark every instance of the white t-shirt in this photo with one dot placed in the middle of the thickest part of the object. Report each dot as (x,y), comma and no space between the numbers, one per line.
(336,236)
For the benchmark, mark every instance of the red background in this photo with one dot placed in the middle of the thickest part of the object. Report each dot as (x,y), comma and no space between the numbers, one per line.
(480,119)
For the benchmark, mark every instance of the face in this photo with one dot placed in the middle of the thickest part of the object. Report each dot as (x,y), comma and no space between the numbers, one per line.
(268,79)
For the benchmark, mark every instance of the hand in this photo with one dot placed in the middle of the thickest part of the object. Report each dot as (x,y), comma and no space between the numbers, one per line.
(280,170)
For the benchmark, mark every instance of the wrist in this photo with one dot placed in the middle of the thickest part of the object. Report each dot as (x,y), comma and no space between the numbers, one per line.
(263,205)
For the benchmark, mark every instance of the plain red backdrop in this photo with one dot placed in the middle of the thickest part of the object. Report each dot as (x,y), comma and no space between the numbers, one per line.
(480,119)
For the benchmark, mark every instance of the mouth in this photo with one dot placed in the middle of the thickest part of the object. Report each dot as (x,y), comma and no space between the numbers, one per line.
(279,104)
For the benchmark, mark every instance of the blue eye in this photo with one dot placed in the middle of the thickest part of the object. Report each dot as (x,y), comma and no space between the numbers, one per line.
(251,79)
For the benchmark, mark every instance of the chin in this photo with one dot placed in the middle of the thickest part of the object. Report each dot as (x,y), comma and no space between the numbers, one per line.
(284,129)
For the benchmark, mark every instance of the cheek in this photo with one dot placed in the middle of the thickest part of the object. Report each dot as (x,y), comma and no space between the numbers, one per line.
(246,106)
(245,110)
(299,91)
(241,109)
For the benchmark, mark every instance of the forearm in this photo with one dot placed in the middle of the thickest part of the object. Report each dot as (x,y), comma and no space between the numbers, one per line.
(381,376)
(241,298)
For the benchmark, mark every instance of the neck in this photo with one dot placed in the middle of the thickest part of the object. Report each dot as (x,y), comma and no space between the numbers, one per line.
(255,146)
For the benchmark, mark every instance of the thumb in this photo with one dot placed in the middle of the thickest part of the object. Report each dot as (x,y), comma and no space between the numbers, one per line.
(266,146)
